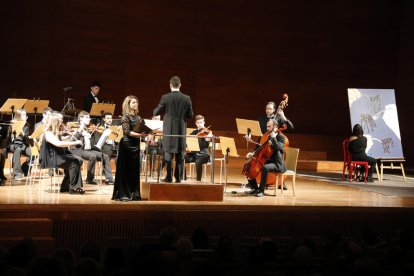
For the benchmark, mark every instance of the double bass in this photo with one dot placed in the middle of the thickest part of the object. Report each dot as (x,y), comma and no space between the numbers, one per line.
(253,167)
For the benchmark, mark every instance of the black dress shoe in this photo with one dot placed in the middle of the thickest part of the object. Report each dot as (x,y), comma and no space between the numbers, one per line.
(284,187)
(64,190)
(251,192)
(91,181)
(78,191)
(168,180)
(109,182)
(370,179)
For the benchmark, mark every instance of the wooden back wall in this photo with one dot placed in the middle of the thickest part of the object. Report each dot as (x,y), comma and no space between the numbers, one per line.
(232,56)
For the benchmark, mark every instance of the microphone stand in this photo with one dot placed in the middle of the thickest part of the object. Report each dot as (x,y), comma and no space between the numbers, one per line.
(66,105)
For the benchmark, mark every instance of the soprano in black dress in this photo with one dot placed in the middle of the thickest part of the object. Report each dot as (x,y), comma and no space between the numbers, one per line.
(127,177)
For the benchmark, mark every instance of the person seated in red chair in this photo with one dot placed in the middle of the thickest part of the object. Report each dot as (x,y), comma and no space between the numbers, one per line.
(357,146)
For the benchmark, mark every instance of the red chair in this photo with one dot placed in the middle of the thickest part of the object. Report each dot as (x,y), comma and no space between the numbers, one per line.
(351,165)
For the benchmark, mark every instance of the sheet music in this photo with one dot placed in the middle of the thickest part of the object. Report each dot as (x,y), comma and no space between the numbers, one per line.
(154,124)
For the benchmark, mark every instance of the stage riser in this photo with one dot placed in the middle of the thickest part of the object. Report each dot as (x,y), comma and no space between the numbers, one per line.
(183,191)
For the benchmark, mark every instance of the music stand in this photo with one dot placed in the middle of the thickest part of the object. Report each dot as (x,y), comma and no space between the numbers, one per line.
(228,148)
(98,109)
(17,127)
(120,133)
(11,105)
(33,107)
(189,130)
(38,131)
(249,128)
(192,144)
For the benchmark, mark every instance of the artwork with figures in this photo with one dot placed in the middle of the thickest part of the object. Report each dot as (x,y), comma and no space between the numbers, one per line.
(376,111)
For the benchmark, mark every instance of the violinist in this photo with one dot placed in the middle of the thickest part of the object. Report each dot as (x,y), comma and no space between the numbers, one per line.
(54,154)
(86,134)
(109,147)
(274,164)
(153,149)
(203,156)
(19,145)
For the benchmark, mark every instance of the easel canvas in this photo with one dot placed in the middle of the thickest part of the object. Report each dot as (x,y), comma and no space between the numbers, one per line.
(376,111)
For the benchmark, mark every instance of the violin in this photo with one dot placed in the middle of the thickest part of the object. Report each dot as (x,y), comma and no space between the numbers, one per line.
(205,131)
(92,128)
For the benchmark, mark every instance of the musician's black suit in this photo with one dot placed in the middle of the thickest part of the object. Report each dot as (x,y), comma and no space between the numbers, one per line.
(88,101)
(177,108)
(274,164)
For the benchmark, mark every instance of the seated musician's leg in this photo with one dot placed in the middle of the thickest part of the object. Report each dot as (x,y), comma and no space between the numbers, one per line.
(188,158)
(2,162)
(17,168)
(253,185)
(200,160)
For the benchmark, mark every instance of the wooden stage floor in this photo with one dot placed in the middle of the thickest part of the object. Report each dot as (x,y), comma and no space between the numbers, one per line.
(311,190)
(322,204)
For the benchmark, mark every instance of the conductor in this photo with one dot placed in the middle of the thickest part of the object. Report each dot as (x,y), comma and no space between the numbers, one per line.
(177,108)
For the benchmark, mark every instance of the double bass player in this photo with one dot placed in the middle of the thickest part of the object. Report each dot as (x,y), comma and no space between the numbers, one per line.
(274,163)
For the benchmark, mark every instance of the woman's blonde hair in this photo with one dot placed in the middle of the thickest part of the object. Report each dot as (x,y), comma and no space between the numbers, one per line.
(126,109)
(53,123)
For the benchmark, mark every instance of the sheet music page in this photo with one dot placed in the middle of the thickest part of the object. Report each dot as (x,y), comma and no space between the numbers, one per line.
(153,124)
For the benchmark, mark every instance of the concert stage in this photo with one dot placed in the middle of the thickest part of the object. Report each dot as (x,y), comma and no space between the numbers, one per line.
(322,204)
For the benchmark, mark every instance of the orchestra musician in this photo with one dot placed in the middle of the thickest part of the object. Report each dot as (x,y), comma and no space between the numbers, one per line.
(19,145)
(153,149)
(281,119)
(92,96)
(203,156)
(127,178)
(109,147)
(45,115)
(177,108)
(54,154)
(87,136)
(274,164)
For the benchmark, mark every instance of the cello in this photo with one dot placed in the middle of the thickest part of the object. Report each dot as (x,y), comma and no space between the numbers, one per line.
(253,167)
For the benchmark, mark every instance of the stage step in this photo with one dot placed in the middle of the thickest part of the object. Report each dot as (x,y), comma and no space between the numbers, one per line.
(319,165)
(188,191)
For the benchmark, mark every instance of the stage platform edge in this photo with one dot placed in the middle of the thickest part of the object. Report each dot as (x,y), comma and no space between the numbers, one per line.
(188,191)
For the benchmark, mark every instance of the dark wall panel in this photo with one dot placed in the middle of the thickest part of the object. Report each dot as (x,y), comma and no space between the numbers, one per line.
(232,56)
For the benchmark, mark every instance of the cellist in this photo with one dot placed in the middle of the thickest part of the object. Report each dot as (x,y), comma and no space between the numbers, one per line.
(274,164)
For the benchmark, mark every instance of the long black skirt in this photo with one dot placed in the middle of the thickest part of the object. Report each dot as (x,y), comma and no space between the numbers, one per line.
(127,177)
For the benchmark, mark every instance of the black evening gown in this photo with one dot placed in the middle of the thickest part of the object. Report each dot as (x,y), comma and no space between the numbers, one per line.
(127,177)
(57,157)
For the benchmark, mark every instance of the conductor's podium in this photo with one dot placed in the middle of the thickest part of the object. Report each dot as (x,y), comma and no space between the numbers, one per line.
(184,191)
